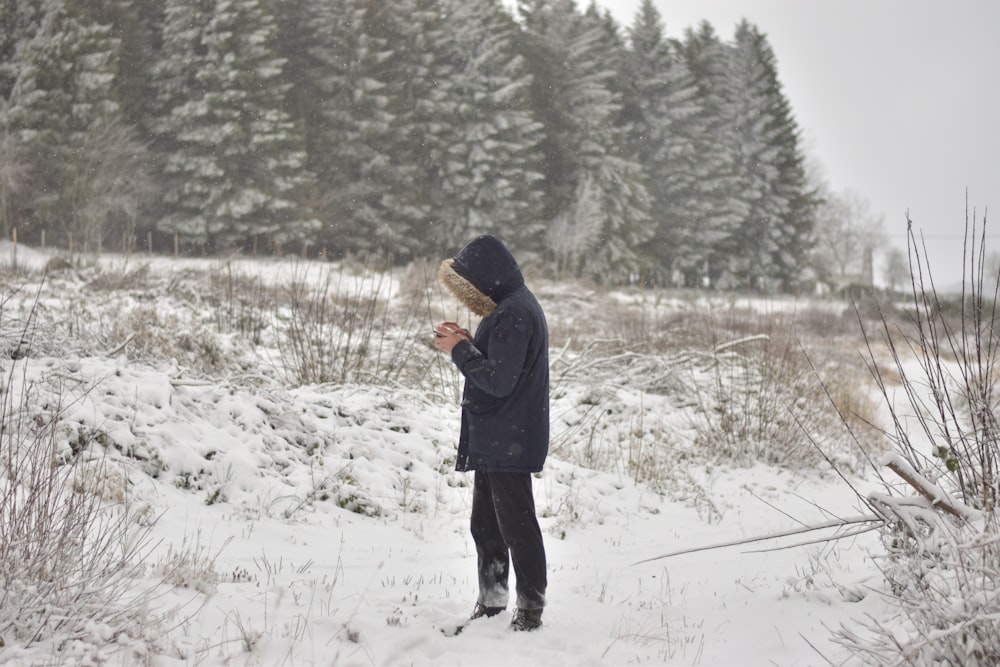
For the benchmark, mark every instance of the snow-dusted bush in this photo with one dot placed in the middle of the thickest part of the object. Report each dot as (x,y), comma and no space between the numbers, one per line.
(758,395)
(657,388)
(943,578)
(242,303)
(189,565)
(942,552)
(136,313)
(343,328)
(70,556)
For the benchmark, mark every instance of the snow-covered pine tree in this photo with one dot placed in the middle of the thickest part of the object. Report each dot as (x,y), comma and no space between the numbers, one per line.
(190,172)
(722,205)
(17,24)
(596,205)
(16,28)
(751,247)
(417,73)
(661,116)
(796,199)
(38,109)
(611,43)
(332,59)
(63,108)
(620,178)
(770,248)
(232,159)
(302,26)
(136,25)
(490,180)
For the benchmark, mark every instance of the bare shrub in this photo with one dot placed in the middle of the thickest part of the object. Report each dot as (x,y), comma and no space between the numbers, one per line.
(68,561)
(15,179)
(342,329)
(942,556)
(150,333)
(416,284)
(727,381)
(241,303)
(109,181)
(757,394)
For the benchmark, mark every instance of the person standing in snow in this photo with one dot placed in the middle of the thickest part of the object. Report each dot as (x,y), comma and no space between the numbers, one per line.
(504,434)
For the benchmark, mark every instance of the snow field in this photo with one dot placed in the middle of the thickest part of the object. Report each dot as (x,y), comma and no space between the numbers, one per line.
(324,525)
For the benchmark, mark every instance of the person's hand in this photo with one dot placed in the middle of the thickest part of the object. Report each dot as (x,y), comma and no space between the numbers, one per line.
(449,334)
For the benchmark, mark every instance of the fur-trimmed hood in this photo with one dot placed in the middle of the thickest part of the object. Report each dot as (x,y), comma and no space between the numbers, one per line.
(481,274)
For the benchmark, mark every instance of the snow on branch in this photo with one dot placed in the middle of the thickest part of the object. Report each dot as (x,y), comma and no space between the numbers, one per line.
(937,496)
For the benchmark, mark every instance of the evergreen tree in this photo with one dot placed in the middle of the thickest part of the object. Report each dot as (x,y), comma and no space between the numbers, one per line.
(39,103)
(136,25)
(416,72)
(723,207)
(185,141)
(302,26)
(359,116)
(611,44)
(754,244)
(18,23)
(64,112)
(332,59)
(438,133)
(796,238)
(662,117)
(490,176)
(233,160)
(772,242)
(596,204)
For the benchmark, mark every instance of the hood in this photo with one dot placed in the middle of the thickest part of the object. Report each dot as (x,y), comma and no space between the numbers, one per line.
(481,274)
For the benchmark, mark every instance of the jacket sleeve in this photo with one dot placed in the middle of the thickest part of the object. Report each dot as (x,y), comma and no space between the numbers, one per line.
(497,374)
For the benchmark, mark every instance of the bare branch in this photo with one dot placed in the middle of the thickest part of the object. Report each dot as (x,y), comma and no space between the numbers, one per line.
(835,523)
(929,490)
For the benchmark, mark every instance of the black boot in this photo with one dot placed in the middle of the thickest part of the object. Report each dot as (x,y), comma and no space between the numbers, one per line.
(526,620)
(481,611)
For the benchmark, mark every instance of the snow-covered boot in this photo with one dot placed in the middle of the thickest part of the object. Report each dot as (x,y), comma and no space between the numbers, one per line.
(526,620)
(481,611)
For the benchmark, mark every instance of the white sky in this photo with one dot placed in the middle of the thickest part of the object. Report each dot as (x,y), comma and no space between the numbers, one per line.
(896,99)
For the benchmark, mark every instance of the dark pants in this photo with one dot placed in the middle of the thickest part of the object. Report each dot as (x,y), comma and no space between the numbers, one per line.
(505,530)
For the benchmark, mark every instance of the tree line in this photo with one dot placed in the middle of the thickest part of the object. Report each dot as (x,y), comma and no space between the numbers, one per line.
(399,130)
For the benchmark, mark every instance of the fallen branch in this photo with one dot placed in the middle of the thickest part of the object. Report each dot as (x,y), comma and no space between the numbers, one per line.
(842,536)
(932,492)
(833,523)
(121,347)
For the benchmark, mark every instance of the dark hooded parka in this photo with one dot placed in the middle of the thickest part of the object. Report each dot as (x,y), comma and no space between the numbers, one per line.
(505,402)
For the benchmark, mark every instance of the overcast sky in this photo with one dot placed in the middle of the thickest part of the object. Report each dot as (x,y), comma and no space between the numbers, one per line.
(898,100)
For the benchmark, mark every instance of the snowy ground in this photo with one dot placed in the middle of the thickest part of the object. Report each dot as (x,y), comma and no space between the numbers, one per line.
(335,588)
(323,525)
